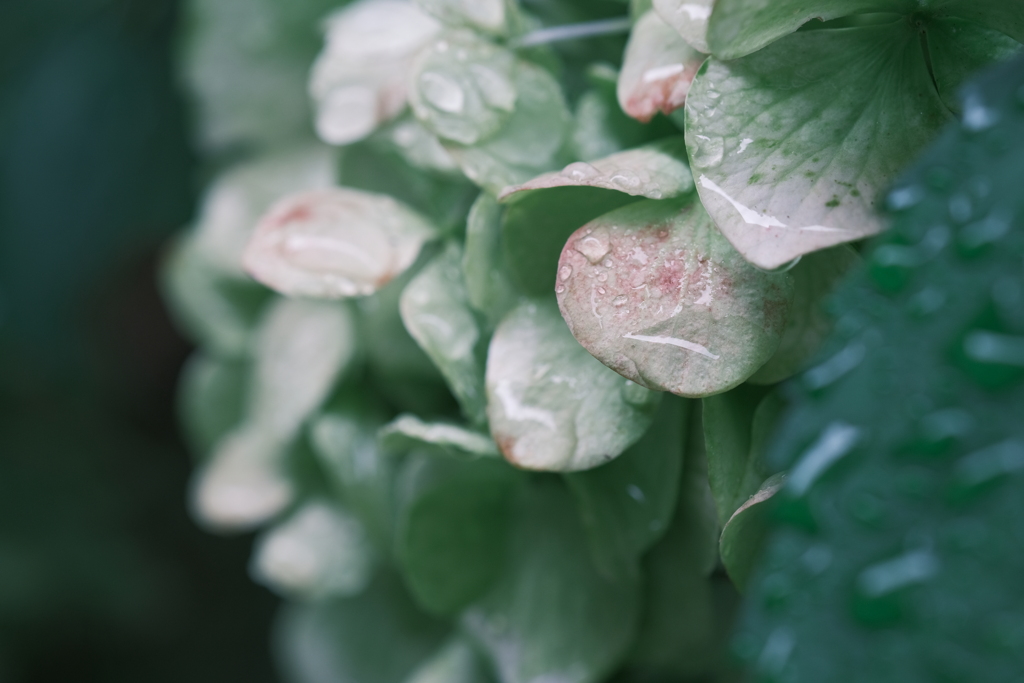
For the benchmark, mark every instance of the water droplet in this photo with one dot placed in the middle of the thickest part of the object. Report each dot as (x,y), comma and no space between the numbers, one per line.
(977,115)
(709,152)
(580,170)
(836,442)
(984,466)
(601,290)
(984,232)
(904,198)
(835,367)
(929,300)
(495,89)
(594,246)
(817,559)
(564,273)
(608,263)
(602,277)
(655,194)
(627,180)
(560,289)
(908,569)
(442,92)
(619,301)
(983,346)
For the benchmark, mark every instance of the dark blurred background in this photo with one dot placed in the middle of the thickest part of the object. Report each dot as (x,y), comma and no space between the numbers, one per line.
(103,577)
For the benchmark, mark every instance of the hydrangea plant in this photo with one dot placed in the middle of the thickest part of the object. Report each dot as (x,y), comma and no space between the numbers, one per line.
(493,300)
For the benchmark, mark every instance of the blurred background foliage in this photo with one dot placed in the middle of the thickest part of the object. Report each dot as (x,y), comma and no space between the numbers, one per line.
(102,575)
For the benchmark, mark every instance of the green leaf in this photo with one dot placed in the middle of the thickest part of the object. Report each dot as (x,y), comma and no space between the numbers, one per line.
(452,528)
(335,243)
(455,662)
(417,146)
(344,440)
(736,426)
(382,165)
(657,69)
(687,611)
(212,397)
(744,534)
(320,551)
(654,292)
(627,504)
(359,80)
(791,148)
(814,279)
(739,27)
(376,637)
(530,142)
(551,615)
(301,349)
(488,286)
(488,16)
(959,48)
(551,405)
(994,14)
(435,310)
(408,432)
(689,18)
(657,171)
(900,520)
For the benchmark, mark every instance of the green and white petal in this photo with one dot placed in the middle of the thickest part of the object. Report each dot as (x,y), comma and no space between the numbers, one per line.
(657,69)
(360,78)
(301,349)
(436,312)
(792,148)
(488,16)
(657,171)
(739,27)
(551,405)
(212,399)
(959,48)
(408,432)
(488,285)
(335,243)
(320,551)
(655,292)
(689,18)
(745,533)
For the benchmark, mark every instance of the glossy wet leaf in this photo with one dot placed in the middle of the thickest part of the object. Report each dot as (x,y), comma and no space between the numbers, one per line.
(528,143)
(407,432)
(378,636)
(657,69)
(302,347)
(655,292)
(791,149)
(436,312)
(737,425)
(958,48)
(243,483)
(551,405)
(212,399)
(320,551)
(689,18)
(488,285)
(657,170)
(452,528)
(687,611)
(815,277)
(900,518)
(489,16)
(420,148)
(551,615)
(627,504)
(360,78)
(335,243)
(345,442)
(744,534)
(456,662)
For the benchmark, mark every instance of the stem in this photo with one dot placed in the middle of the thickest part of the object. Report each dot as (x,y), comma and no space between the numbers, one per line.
(588,29)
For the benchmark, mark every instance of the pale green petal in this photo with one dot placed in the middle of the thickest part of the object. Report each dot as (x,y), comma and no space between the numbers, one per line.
(1000,15)
(739,27)
(360,78)
(657,171)
(959,48)
(435,310)
(418,146)
(744,535)
(552,616)
(488,285)
(815,278)
(335,243)
(655,292)
(551,405)
(489,16)
(689,18)
(452,528)
(408,432)
(657,69)
(212,395)
(302,347)
(791,148)
(320,551)
(627,504)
